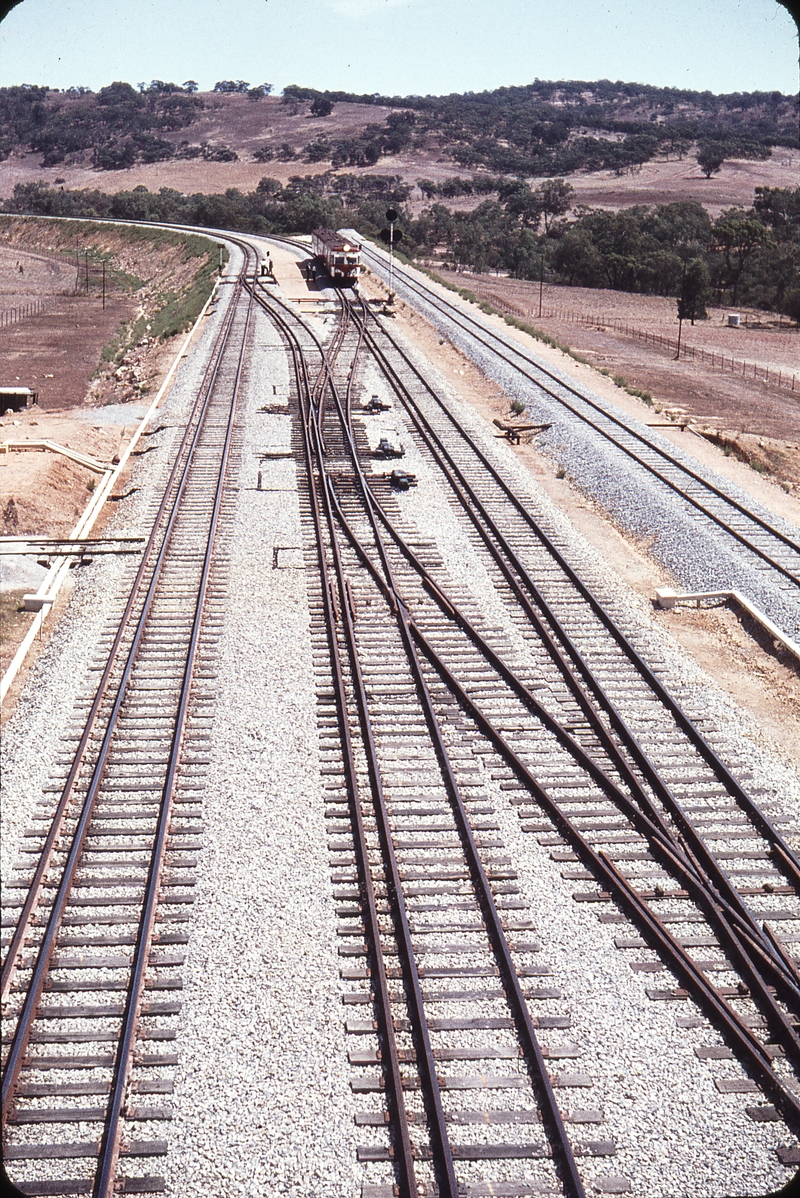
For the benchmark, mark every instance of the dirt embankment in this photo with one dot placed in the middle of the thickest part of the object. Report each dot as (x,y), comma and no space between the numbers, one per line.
(107,293)
(95,368)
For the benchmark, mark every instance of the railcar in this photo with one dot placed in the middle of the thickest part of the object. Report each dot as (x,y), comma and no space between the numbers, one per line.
(341,256)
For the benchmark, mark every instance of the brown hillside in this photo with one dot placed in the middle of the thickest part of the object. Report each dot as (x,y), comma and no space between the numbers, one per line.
(244,126)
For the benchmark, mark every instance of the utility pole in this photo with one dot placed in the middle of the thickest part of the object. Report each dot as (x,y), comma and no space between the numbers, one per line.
(104,284)
(541,284)
(681,311)
(87,271)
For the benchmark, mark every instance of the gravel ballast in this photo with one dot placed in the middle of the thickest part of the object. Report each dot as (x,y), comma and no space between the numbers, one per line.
(675,1132)
(263,1101)
(698,553)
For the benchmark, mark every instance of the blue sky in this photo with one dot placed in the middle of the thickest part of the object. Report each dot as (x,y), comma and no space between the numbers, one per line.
(402,46)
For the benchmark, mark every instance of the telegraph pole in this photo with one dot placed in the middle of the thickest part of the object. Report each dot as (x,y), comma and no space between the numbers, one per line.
(681,311)
(541,284)
(104,284)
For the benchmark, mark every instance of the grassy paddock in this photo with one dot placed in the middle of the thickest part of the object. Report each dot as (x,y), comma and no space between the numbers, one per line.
(513,321)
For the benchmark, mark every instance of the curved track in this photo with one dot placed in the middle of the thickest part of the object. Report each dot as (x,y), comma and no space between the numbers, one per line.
(431,706)
(101,912)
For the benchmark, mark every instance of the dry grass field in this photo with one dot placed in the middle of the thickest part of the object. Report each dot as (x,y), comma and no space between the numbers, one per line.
(245,125)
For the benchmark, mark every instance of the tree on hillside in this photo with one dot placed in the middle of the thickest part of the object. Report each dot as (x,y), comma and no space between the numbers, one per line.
(190,86)
(779,207)
(555,199)
(695,291)
(268,186)
(710,157)
(231,86)
(737,234)
(321,106)
(684,225)
(520,200)
(679,146)
(578,259)
(118,94)
(792,306)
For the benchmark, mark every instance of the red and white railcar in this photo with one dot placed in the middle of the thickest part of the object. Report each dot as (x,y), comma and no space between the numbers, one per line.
(340,255)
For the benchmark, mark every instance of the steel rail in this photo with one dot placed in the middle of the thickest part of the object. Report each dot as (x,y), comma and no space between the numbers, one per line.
(671,854)
(457,316)
(675,953)
(720,897)
(645,818)
(185,448)
(110,1142)
(700,983)
(736,1031)
(442,1152)
(465,491)
(104,1178)
(443,1155)
(788,861)
(563,1156)
(729,900)
(47,946)
(404,1156)
(551,1115)
(704,878)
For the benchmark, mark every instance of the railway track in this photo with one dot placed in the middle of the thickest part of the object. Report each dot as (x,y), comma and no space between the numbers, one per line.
(425,705)
(478,731)
(100,920)
(774,547)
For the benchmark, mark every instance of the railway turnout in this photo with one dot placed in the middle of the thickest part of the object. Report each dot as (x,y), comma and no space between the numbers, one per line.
(489,735)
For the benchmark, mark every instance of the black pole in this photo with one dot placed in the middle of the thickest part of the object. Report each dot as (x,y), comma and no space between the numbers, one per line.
(541,284)
(104,284)
(391,260)
(681,311)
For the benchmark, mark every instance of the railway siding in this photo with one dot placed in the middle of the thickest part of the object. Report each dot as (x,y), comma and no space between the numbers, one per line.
(697,551)
(426,880)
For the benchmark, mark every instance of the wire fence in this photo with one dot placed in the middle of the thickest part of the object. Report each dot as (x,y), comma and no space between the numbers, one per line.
(13,315)
(714,358)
